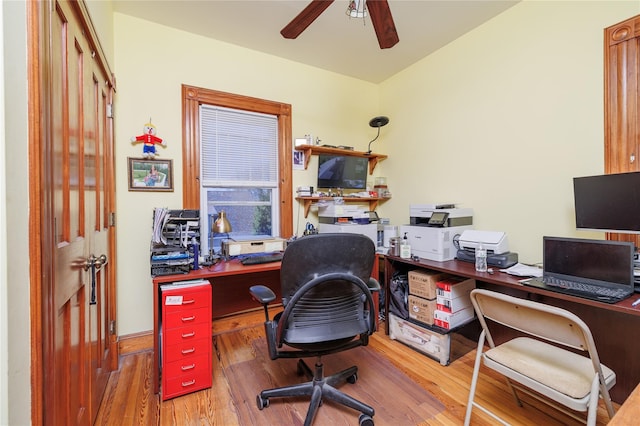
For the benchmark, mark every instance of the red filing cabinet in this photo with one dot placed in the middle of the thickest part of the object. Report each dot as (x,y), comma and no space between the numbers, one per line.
(186,346)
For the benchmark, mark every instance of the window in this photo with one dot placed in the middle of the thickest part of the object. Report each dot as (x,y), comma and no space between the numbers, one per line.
(239,164)
(220,131)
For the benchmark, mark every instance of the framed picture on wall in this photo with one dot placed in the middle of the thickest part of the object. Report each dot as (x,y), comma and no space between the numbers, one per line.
(150,174)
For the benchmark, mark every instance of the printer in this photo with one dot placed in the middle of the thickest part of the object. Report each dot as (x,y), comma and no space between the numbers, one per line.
(433,243)
(494,242)
(336,216)
(369,230)
(434,229)
(447,215)
(336,211)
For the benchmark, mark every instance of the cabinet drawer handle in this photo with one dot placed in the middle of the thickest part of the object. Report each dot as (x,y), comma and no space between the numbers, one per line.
(189,383)
(184,335)
(188,302)
(188,351)
(188,367)
(186,319)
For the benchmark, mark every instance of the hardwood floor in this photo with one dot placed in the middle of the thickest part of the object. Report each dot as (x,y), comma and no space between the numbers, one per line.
(128,399)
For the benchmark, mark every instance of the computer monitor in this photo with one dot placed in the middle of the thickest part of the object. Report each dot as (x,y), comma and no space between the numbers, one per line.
(608,202)
(342,171)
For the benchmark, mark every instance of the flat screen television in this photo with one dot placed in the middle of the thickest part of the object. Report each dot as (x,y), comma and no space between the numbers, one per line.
(342,171)
(608,202)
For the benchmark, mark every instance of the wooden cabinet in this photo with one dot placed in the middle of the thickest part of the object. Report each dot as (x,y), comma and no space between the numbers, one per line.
(186,338)
(622,102)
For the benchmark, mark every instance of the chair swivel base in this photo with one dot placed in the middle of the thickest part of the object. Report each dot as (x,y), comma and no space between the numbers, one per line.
(319,388)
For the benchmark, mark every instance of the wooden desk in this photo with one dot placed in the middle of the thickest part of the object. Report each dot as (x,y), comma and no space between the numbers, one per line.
(615,327)
(629,412)
(230,282)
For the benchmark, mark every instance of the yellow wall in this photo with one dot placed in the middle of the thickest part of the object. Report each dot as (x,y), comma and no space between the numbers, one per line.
(101,14)
(503,118)
(151,64)
(513,108)
(499,120)
(15,307)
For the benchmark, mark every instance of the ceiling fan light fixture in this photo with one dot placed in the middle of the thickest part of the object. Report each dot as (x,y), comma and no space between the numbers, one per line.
(357,9)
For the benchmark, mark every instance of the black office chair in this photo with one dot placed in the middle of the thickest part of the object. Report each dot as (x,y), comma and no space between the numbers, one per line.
(328,308)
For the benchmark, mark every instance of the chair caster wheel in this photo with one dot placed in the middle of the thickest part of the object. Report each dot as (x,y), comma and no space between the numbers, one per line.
(262,402)
(365,420)
(353,378)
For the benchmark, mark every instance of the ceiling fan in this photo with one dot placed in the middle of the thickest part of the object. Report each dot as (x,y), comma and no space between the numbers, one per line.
(378,9)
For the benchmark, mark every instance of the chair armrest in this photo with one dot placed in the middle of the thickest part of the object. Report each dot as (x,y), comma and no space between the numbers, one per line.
(373,284)
(262,294)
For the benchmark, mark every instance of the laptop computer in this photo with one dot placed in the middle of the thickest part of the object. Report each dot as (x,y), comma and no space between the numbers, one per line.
(600,270)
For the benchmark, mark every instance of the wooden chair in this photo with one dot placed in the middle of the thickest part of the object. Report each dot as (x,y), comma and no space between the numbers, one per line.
(554,360)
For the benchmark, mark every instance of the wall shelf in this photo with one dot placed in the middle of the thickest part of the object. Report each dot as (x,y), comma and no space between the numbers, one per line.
(373,201)
(310,150)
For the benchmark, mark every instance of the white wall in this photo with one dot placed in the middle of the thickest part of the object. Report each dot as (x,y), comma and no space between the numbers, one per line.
(503,118)
(151,64)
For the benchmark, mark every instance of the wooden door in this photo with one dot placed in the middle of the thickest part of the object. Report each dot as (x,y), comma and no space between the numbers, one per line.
(76,196)
(622,102)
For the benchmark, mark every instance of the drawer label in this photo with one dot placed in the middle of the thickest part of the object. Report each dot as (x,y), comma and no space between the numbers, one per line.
(173,300)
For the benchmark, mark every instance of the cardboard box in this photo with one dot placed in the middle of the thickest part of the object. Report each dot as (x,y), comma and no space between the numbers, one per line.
(421,309)
(452,287)
(453,305)
(430,343)
(449,320)
(423,283)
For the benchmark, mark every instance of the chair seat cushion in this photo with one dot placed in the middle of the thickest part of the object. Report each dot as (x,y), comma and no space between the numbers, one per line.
(564,371)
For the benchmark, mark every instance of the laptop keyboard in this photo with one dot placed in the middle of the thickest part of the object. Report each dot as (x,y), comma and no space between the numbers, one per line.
(584,289)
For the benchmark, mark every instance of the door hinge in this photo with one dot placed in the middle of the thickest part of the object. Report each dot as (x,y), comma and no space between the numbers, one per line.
(112,327)
(112,219)
(109,110)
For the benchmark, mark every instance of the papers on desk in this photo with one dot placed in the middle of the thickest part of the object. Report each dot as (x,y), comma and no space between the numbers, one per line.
(522,270)
(184,284)
(160,219)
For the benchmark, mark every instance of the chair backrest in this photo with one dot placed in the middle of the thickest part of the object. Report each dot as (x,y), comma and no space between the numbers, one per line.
(324,292)
(537,319)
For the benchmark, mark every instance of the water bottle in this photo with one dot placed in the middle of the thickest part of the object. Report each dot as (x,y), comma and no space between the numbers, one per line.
(405,248)
(481,259)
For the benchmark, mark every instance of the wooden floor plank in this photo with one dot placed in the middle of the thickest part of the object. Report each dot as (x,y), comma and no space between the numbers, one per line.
(128,399)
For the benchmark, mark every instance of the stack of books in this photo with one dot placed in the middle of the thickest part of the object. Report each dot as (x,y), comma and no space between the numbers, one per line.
(305,191)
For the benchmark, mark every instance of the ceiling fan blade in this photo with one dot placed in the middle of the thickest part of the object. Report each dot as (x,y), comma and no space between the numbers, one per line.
(305,18)
(383,23)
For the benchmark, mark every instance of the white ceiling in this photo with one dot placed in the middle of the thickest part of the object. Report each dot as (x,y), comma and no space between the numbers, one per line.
(334,41)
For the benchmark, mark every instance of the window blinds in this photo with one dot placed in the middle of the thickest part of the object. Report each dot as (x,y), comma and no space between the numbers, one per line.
(238,148)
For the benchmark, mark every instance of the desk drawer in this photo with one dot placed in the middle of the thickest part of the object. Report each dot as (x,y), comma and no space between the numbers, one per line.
(178,299)
(188,365)
(185,383)
(187,334)
(188,349)
(186,317)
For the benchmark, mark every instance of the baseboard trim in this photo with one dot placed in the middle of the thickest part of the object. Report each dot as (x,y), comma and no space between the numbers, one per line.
(136,342)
